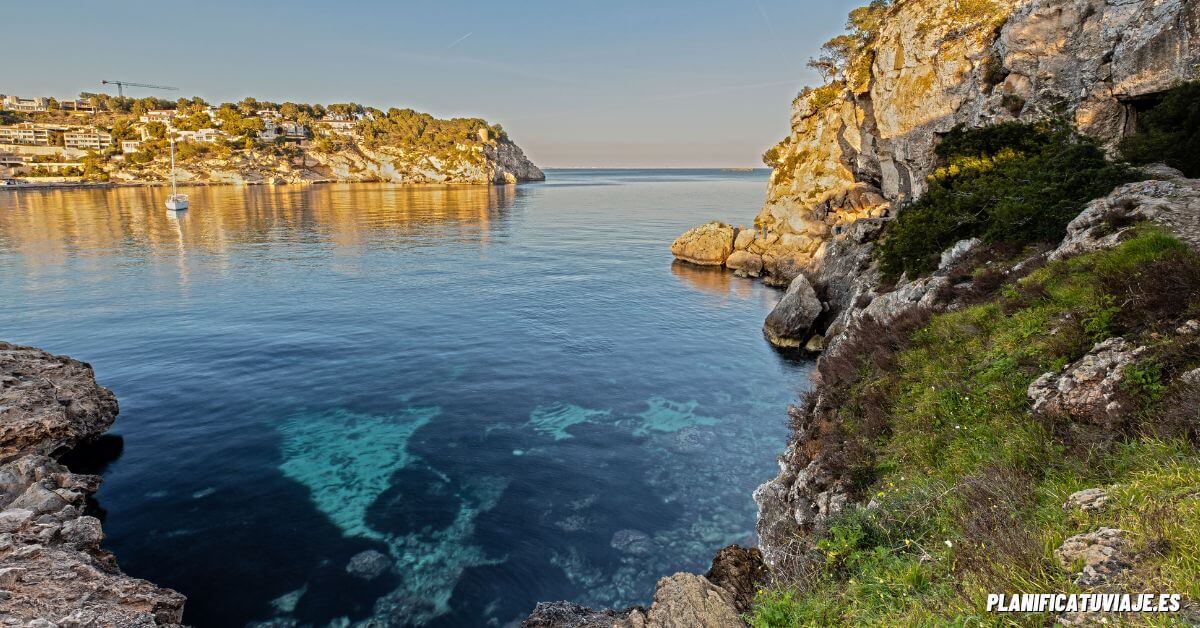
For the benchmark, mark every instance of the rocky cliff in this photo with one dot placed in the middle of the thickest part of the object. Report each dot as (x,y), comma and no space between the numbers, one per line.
(497,161)
(53,571)
(862,146)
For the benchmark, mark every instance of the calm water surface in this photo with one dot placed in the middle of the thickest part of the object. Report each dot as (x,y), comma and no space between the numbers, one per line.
(512,392)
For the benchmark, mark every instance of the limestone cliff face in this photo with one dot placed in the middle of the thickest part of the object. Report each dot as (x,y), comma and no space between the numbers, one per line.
(499,161)
(862,147)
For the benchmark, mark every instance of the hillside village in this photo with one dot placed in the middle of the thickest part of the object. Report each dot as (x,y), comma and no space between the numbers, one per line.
(101,139)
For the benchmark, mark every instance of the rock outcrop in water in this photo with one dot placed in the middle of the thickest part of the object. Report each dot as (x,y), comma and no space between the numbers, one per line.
(52,569)
(715,600)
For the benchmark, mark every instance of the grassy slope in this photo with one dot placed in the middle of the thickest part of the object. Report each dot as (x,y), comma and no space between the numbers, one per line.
(969,486)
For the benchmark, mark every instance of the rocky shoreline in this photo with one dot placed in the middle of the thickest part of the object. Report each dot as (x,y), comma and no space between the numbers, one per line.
(859,151)
(53,572)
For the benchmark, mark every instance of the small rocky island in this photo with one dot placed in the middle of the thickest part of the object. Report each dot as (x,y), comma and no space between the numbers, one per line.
(53,571)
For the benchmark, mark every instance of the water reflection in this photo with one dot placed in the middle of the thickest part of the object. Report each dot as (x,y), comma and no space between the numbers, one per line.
(714,280)
(46,226)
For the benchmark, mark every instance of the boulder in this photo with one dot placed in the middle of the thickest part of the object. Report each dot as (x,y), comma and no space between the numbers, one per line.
(745,262)
(1089,390)
(744,239)
(1096,557)
(789,324)
(707,245)
(1087,500)
(52,569)
(740,571)
(687,600)
(368,564)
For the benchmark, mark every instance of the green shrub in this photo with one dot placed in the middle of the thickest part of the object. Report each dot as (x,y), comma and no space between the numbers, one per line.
(1011,182)
(1169,132)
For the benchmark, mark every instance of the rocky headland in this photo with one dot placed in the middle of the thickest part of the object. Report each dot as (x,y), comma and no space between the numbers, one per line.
(53,571)
(861,150)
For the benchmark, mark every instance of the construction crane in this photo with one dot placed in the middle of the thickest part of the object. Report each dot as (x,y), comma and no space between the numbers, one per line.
(121,85)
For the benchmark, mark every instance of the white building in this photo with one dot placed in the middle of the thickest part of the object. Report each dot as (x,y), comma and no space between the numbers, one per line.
(87,138)
(292,130)
(130,146)
(27,133)
(338,125)
(203,135)
(270,131)
(16,103)
(159,115)
(77,105)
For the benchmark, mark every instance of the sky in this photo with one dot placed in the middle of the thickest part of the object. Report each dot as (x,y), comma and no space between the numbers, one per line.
(576,83)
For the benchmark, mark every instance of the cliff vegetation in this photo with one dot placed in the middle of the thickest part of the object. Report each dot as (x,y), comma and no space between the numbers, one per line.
(962,484)
(1032,422)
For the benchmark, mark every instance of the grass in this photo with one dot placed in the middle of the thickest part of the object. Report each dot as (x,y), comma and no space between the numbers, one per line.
(966,486)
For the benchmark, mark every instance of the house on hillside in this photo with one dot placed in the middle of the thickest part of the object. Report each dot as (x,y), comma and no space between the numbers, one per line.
(339,125)
(27,134)
(82,106)
(270,131)
(16,103)
(292,130)
(203,135)
(87,138)
(159,115)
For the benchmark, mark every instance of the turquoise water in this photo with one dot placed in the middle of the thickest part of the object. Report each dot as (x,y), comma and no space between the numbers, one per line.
(511,392)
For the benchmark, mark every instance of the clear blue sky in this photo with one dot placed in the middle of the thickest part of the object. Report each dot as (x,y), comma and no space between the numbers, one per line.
(575,82)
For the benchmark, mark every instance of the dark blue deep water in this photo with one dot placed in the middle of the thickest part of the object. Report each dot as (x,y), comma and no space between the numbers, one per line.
(510,391)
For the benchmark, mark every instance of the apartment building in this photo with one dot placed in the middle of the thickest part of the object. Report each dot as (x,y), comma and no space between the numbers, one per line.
(87,139)
(27,134)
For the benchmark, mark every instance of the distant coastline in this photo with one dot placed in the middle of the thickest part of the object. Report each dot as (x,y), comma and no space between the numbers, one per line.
(100,139)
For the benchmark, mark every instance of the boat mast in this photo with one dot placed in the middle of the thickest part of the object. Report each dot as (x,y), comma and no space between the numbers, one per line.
(173,190)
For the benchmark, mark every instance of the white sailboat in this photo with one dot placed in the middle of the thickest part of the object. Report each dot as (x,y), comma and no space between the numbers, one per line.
(176,201)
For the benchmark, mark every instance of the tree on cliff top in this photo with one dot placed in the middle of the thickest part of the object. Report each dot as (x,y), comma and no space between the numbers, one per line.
(848,53)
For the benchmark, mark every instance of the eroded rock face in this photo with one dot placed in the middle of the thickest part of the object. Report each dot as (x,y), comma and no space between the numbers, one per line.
(1172,202)
(1090,389)
(789,323)
(860,151)
(707,245)
(52,569)
(48,402)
